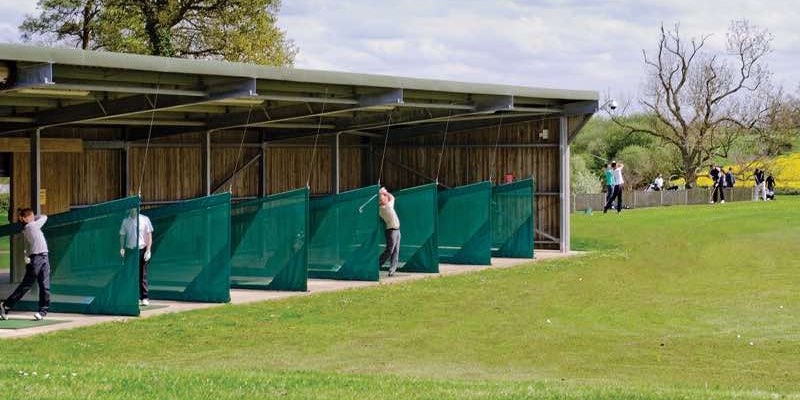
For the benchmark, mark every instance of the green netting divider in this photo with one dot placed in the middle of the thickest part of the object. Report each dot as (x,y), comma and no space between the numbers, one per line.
(268,242)
(464,228)
(191,250)
(87,274)
(512,219)
(417,209)
(345,236)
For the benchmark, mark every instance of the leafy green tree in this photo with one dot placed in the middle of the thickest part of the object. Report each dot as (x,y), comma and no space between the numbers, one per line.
(233,30)
(70,21)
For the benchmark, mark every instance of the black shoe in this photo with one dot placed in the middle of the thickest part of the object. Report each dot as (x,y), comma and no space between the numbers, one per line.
(391,273)
(3,311)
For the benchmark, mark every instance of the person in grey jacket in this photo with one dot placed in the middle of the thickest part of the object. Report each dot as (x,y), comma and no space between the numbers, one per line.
(37,265)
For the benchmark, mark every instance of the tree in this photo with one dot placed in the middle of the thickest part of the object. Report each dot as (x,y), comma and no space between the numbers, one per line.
(233,30)
(70,21)
(703,102)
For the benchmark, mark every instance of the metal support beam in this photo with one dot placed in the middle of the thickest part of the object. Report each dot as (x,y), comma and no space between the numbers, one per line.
(335,163)
(236,173)
(392,97)
(239,89)
(31,76)
(127,190)
(564,175)
(36,171)
(492,103)
(100,110)
(207,162)
(411,170)
(263,181)
(123,166)
(574,132)
(581,107)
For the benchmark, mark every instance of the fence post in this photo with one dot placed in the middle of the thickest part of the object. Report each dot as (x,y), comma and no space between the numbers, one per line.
(686,197)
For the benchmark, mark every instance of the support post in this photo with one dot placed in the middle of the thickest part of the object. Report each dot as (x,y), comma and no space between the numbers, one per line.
(207,162)
(125,182)
(36,170)
(564,186)
(335,163)
(263,181)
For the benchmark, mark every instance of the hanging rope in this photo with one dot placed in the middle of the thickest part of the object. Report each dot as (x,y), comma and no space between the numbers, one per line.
(239,153)
(316,139)
(149,134)
(385,141)
(496,144)
(444,139)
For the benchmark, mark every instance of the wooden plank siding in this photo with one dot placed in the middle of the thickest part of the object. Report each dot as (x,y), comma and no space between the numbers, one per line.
(174,166)
(224,163)
(465,165)
(170,173)
(289,168)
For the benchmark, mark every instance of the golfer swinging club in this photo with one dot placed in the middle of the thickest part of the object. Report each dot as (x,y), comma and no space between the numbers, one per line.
(392,231)
(37,265)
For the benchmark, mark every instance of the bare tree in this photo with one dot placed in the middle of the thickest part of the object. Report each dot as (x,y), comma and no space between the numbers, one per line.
(704,102)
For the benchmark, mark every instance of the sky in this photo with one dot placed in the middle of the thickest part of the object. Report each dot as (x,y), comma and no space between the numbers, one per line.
(568,44)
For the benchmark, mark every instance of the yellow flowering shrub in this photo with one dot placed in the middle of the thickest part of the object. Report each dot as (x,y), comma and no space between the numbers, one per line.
(785,169)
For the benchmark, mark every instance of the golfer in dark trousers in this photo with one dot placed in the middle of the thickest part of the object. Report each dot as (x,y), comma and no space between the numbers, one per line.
(618,182)
(136,240)
(392,232)
(37,265)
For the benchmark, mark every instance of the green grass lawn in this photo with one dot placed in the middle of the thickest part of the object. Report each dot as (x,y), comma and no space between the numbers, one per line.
(5,257)
(683,302)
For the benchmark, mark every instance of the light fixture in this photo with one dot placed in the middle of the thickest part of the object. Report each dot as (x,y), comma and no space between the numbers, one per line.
(609,105)
(54,92)
(237,102)
(544,134)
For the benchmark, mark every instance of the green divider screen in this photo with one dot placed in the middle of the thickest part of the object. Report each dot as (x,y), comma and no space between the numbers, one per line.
(268,242)
(464,229)
(191,250)
(87,274)
(512,219)
(345,236)
(417,209)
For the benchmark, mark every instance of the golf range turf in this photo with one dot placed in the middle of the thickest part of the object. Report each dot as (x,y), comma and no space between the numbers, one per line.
(677,302)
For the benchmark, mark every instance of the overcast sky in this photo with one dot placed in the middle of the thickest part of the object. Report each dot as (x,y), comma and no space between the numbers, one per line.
(594,45)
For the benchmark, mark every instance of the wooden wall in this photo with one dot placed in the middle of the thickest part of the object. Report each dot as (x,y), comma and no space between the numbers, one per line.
(288,168)
(174,168)
(465,165)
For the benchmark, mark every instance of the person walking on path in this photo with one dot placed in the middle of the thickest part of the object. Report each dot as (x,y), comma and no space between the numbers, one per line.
(136,240)
(392,232)
(730,180)
(609,176)
(37,265)
(617,191)
(770,182)
(717,176)
(759,185)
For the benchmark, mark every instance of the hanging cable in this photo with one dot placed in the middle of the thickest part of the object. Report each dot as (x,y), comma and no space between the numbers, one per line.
(496,144)
(316,139)
(385,141)
(444,139)
(149,134)
(239,153)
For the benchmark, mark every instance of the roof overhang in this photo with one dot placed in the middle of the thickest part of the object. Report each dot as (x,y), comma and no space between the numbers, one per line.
(51,87)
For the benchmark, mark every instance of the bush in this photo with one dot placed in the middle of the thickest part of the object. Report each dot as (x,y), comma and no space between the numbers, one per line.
(5,201)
